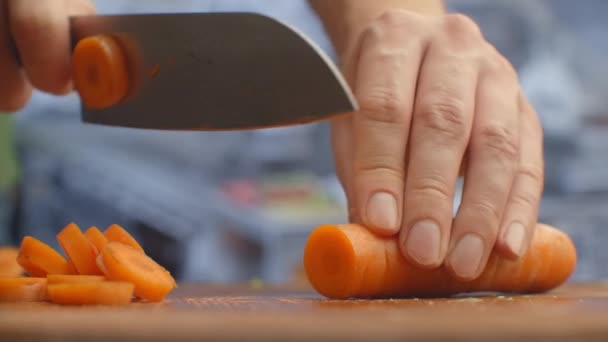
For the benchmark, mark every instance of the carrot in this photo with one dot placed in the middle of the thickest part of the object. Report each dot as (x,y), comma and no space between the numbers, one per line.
(121,262)
(23,289)
(99,69)
(79,250)
(96,238)
(119,234)
(39,259)
(64,278)
(9,267)
(348,261)
(91,293)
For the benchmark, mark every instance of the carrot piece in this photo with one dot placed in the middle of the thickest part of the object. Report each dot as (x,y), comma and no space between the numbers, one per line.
(119,234)
(9,267)
(348,261)
(96,238)
(121,262)
(22,289)
(79,250)
(39,259)
(91,293)
(99,69)
(65,278)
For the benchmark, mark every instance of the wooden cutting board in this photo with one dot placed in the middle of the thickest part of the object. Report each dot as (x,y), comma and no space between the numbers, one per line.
(576,312)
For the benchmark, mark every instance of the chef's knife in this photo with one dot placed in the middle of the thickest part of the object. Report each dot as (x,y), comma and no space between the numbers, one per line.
(217,71)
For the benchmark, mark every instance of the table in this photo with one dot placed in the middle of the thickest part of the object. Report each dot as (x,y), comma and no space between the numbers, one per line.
(577,311)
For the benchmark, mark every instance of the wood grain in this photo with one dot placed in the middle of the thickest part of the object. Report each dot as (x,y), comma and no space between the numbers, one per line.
(196,312)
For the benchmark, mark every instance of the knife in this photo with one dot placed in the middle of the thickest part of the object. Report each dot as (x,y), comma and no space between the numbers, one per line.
(217,71)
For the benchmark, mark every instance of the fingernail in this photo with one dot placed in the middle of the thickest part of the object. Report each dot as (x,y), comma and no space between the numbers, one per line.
(382,211)
(515,237)
(423,242)
(466,256)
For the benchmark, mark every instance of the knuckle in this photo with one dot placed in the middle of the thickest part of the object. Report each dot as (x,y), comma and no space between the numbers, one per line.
(445,118)
(487,211)
(432,186)
(525,198)
(501,141)
(461,25)
(381,169)
(383,105)
(396,18)
(532,174)
(497,64)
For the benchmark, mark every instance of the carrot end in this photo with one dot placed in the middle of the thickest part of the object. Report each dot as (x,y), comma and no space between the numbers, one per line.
(100,73)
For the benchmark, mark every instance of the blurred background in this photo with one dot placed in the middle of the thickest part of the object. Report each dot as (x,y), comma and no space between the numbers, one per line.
(237,206)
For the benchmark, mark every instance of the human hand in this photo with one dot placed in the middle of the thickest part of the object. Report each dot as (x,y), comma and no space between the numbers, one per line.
(436,99)
(39,31)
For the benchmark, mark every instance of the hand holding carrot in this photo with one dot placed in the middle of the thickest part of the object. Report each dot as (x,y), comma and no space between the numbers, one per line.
(39,31)
(436,100)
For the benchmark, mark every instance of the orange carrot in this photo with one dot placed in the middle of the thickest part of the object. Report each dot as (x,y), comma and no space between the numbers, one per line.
(64,278)
(9,267)
(121,262)
(96,238)
(91,293)
(39,259)
(119,234)
(99,69)
(79,250)
(23,289)
(348,261)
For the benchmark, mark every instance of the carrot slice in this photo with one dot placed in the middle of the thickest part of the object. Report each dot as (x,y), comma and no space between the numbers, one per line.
(79,250)
(9,267)
(96,237)
(22,289)
(121,262)
(39,259)
(348,261)
(64,278)
(119,234)
(100,72)
(91,293)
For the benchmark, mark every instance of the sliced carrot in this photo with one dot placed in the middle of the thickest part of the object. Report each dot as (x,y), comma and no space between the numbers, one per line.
(348,261)
(9,267)
(39,259)
(99,69)
(79,250)
(119,234)
(63,278)
(121,262)
(23,289)
(96,237)
(91,293)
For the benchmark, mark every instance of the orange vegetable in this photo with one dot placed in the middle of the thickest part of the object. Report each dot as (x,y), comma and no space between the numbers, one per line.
(348,261)
(39,259)
(91,293)
(79,250)
(23,289)
(96,238)
(119,234)
(64,278)
(100,72)
(121,262)
(9,267)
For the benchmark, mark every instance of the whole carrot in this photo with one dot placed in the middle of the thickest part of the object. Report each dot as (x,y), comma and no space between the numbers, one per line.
(348,261)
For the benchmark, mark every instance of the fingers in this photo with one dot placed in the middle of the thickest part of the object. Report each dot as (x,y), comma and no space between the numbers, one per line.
(385,87)
(493,159)
(41,32)
(440,131)
(15,90)
(521,213)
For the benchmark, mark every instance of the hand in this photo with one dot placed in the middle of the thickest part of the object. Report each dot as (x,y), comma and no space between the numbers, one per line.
(40,32)
(435,96)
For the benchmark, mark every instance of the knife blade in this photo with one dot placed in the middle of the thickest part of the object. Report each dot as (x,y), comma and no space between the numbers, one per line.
(217,71)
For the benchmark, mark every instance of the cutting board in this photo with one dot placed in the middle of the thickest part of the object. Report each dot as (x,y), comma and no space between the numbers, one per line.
(196,312)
